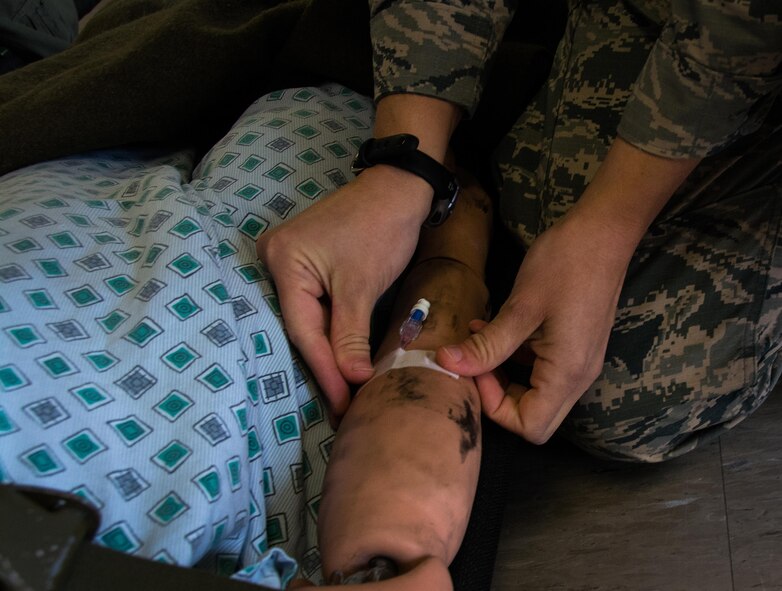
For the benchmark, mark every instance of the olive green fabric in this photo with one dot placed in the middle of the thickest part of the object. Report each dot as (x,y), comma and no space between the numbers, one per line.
(179,71)
(38,28)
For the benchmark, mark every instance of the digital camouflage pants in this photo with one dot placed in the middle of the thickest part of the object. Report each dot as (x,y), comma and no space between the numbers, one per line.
(695,347)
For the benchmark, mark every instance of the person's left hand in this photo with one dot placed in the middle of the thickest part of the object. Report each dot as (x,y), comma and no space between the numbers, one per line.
(563,304)
(558,317)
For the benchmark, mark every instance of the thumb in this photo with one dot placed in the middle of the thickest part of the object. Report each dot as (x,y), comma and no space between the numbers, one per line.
(350,338)
(490,346)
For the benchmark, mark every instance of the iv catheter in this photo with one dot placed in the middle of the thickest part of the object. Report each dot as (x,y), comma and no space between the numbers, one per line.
(411,327)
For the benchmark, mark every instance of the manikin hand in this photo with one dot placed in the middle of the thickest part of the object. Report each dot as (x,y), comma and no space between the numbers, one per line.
(333,261)
(430,574)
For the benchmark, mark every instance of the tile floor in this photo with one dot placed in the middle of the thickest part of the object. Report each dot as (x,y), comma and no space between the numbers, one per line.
(711,520)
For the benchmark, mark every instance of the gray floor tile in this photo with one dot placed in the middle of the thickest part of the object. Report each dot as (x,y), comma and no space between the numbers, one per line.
(577,523)
(711,520)
(752,466)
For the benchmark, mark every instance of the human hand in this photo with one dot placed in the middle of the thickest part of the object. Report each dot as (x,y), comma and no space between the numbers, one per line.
(558,317)
(332,262)
(428,573)
(563,304)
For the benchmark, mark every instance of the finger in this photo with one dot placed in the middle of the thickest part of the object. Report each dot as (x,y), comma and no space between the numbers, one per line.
(350,337)
(543,407)
(533,413)
(499,401)
(262,245)
(486,349)
(523,355)
(306,322)
(430,574)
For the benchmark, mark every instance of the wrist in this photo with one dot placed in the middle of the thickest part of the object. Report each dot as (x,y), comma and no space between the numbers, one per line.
(608,240)
(431,120)
(401,151)
(626,194)
(609,218)
(401,190)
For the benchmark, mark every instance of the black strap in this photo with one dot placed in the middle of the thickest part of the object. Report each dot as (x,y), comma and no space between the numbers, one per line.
(420,164)
(401,151)
(52,551)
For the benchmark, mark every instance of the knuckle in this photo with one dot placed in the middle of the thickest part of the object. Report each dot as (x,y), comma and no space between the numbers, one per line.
(596,369)
(350,343)
(525,302)
(535,438)
(274,243)
(583,369)
(482,347)
(537,434)
(300,336)
(515,307)
(268,249)
(535,431)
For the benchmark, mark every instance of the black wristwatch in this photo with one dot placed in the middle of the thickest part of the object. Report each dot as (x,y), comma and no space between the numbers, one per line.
(401,151)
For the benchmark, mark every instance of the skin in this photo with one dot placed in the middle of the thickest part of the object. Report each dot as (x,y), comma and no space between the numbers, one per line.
(557,318)
(429,573)
(404,466)
(563,304)
(329,276)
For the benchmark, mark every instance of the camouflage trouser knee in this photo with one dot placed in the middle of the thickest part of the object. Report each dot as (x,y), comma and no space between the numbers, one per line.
(695,347)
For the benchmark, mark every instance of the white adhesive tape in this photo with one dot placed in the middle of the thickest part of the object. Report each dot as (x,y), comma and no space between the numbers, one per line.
(415,358)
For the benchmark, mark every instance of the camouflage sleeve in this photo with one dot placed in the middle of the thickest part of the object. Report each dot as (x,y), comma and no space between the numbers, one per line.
(436,47)
(711,78)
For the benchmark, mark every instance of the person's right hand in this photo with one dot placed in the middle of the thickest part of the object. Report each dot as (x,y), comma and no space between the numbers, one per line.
(332,262)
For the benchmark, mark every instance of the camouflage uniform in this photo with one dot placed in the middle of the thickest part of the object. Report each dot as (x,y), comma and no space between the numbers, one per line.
(695,348)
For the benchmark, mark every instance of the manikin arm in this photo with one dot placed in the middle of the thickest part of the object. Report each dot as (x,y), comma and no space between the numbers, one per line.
(404,465)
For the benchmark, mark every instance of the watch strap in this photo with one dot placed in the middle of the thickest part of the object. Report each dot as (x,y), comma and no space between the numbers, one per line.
(401,151)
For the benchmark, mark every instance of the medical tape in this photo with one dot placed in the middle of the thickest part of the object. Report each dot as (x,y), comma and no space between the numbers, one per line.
(416,358)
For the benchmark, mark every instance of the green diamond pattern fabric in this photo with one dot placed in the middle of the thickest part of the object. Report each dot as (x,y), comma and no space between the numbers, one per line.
(143,360)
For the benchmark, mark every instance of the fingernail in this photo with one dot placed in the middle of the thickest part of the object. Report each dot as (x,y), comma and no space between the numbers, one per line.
(454,353)
(363,368)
